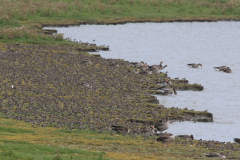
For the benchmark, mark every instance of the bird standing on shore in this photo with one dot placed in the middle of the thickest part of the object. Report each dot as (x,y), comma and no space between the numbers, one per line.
(166,138)
(120,129)
(159,67)
(86,61)
(148,132)
(164,125)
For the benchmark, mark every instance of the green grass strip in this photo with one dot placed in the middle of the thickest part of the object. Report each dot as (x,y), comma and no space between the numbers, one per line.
(15,130)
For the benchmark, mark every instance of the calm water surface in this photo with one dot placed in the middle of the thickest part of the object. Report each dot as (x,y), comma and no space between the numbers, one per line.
(177,44)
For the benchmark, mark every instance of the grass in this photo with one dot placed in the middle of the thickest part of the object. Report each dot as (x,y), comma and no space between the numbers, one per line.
(24,150)
(14,130)
(40,145)
(49,143)
(27,34)
(18,13)
(93,10)
(55,143)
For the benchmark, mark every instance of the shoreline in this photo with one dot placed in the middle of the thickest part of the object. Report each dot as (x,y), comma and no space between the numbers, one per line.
(133,20)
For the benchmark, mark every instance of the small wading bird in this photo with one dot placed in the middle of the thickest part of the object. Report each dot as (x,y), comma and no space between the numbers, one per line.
(194,65)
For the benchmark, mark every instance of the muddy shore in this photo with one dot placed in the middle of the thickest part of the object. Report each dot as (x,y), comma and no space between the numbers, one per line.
(131,20)
(60,76)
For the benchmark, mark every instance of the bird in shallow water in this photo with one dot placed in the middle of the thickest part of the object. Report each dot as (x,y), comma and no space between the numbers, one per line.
(218,155)
(227,70)
(166,89)
(169,91)
(194,65)
(224,69)
(219,68)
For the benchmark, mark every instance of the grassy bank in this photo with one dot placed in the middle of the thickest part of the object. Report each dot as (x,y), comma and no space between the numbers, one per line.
(20,140)
(34,14)
(93,10)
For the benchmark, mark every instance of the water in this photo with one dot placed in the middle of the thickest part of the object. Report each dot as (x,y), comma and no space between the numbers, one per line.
(212,44)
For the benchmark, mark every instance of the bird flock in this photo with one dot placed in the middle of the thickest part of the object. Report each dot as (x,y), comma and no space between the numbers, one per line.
(61,87)
(225,69)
